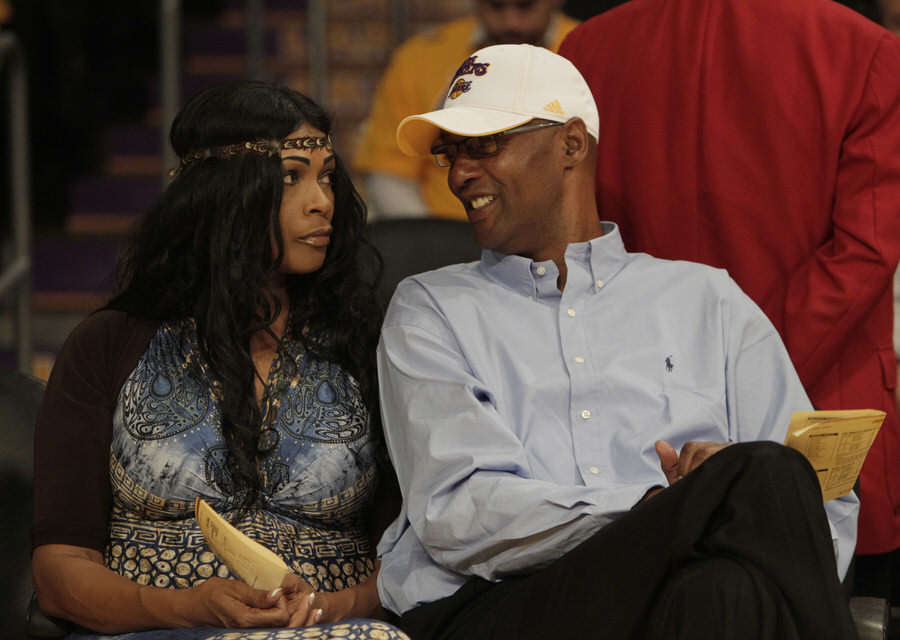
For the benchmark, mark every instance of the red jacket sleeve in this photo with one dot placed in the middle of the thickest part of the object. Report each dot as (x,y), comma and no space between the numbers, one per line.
(830,295)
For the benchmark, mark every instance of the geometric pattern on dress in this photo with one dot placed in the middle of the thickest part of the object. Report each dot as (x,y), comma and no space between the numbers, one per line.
(138,498)
(343,630)
(319,478)
(171,397)
(323,407)
(351,499)
(173,553)
(134,497)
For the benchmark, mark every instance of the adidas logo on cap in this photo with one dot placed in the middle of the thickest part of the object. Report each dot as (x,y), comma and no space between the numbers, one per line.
(554,107)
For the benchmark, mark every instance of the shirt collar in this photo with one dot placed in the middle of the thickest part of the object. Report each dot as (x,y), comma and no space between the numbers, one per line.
(604,256)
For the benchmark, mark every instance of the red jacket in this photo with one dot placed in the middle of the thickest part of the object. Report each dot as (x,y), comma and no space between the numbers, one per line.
(763,136)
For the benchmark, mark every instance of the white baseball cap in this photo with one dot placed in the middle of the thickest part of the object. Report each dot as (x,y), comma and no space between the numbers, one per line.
(501,87)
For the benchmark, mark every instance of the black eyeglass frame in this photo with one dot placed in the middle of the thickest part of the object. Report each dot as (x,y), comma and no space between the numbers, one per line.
(481,146)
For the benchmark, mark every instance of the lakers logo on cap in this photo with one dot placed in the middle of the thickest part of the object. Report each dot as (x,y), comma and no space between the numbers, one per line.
(460,88)
(469,66)
(554,107)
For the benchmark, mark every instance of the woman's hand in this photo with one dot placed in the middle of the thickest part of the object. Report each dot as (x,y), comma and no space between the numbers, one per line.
(301,601)
(308,606)
(316,607)
(234,604)
(73,583)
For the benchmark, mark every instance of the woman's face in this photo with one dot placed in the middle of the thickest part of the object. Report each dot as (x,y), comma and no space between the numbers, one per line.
(307,204)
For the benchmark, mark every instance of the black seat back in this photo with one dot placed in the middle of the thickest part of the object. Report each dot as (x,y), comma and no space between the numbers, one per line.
(414,245)
(20,399)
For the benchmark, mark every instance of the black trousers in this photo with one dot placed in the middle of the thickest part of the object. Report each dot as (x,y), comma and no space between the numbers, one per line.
(739,548)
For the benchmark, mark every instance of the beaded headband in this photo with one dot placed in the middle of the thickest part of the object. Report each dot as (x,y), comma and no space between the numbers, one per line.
(262,147)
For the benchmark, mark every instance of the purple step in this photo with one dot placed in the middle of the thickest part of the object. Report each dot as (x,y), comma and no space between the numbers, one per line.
(210,40)
(132,139)
(114,194)
(295,5)
(110,204)
(74,265)
(72,274)
(193,83)
(42,360)
(132,150)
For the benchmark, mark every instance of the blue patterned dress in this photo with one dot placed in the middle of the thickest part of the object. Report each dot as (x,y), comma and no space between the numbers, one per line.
(319,479)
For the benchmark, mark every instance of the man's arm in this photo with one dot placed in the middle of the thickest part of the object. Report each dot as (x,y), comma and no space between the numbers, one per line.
(469,492)
(830,295)
(764,389)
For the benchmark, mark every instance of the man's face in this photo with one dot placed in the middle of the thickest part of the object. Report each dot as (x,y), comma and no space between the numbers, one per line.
(515,21)
(890,15)
(512,198)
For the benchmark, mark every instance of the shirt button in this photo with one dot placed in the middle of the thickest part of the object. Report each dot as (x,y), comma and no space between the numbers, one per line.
(579,360)
(594,470)
(541,271)
(585,414)
(599,284)
(571,313)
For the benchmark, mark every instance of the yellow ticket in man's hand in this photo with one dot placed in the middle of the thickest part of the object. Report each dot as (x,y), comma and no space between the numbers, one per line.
(835,443)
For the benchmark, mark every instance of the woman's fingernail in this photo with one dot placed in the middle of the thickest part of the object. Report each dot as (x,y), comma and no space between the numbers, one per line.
(274,594)
(318,615)
(312,598)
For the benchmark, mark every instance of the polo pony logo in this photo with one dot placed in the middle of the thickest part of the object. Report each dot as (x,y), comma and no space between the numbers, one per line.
(469,67)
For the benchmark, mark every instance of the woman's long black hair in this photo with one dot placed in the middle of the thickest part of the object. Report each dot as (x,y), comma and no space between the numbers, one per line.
(204,251)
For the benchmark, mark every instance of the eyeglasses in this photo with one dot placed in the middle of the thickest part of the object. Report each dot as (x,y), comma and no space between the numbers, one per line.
(480,146)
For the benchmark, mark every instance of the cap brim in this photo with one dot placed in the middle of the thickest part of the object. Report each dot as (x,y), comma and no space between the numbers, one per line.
(416,134)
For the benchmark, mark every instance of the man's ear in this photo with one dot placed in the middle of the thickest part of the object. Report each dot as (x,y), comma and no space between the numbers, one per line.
(575,138)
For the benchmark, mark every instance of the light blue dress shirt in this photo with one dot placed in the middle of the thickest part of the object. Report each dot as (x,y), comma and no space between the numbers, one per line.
(521,419)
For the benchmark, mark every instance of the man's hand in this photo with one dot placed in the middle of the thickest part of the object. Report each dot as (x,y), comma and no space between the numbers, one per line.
(693,454)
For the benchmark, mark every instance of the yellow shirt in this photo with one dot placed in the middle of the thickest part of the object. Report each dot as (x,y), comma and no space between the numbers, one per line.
(416,81)
(6,11)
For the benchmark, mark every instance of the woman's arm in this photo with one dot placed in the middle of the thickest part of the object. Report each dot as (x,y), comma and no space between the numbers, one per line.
(361,600)
(73,583)
(358,601)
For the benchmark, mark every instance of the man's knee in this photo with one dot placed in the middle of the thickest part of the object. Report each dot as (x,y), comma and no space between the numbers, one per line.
(769,461)
(718,598)
(766,450)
